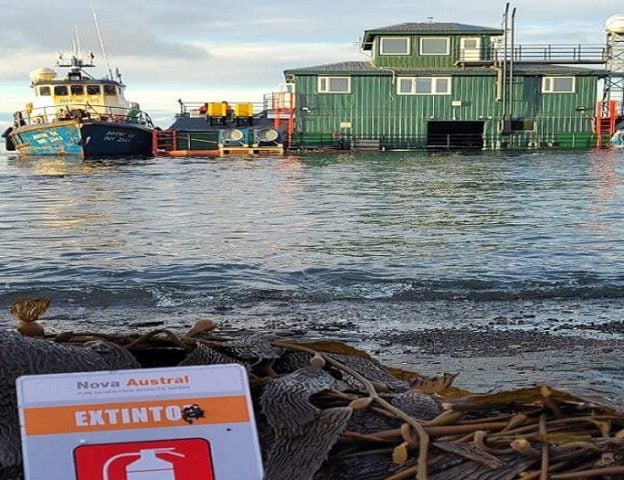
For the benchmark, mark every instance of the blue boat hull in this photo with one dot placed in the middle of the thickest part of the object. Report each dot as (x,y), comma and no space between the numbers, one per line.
(85,139)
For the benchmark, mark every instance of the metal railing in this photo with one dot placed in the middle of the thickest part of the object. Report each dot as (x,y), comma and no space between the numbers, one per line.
(196,109)
(321,141)
(81,112)
(539,53)
(389,142)
(276,104)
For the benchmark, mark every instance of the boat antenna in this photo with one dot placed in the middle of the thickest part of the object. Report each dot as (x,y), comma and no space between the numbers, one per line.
(99,34)
(77,50)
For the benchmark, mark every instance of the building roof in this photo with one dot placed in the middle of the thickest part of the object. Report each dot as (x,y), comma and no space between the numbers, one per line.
(431,28)
(366,68)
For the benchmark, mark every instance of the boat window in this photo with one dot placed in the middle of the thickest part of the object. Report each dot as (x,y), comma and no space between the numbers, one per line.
(77,90)
(44,91)
(110,90)
(61,90)
(93,89)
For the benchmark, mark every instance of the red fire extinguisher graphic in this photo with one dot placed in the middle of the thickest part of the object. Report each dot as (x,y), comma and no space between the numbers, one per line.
(147,466)
(178,459)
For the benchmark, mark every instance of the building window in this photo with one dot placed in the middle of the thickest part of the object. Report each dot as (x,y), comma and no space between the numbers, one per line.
(45,91)
(334,85)
(558,85)
(435,46)
(523,125)
(470,49)
(424,86)
(394,46)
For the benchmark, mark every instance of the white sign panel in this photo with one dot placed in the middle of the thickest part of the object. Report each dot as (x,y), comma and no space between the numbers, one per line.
(182,423)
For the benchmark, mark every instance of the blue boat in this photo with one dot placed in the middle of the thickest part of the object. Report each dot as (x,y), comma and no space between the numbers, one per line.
(79,115)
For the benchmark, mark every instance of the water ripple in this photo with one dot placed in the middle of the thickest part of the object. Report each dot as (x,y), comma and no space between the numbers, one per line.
(404,226)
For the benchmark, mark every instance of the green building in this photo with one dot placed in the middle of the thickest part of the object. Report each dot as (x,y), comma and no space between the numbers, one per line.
(449,85)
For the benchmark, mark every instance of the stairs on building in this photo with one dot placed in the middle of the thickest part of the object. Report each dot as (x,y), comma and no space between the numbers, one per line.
(605,122)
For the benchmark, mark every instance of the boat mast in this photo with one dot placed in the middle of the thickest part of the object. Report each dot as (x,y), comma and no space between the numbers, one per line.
(77,49)
(99,34)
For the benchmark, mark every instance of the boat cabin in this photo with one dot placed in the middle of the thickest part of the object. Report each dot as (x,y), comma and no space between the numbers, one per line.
(77,96)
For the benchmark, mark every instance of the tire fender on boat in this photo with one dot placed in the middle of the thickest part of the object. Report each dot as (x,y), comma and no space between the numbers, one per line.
(8,141)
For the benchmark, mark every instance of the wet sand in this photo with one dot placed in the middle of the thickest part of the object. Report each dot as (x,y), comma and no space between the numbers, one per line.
(571,345)
(494,361)
(574,344)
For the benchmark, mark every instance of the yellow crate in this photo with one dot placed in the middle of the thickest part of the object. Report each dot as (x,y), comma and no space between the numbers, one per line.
(243,110)
(216,109)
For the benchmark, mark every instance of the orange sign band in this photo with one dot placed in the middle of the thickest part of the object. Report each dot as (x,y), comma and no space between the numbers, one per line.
(135,415)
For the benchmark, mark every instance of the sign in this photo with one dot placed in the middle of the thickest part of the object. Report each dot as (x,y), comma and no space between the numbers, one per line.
(180,423)
(188,459)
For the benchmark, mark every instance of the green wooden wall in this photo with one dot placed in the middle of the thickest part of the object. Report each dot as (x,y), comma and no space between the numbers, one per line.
(427,61)
(374,109)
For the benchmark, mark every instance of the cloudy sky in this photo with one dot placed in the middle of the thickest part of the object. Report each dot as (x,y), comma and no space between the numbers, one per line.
(202,50)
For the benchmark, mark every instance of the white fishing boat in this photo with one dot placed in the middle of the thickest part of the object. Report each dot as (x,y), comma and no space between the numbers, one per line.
(77,114)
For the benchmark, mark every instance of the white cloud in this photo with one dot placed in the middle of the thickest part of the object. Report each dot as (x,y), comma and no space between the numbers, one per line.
(238,49)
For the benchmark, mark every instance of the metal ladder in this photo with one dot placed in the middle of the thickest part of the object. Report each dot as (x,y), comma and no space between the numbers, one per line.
(164,141)
(606,116)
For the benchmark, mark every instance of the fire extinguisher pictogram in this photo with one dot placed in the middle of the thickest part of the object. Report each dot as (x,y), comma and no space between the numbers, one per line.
(147,467)
(175,459)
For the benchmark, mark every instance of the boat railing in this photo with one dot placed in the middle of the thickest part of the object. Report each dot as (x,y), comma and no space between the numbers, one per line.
(82,112)
(199,109)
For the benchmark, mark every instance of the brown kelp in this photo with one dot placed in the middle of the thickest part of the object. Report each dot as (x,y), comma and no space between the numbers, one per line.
(326,410)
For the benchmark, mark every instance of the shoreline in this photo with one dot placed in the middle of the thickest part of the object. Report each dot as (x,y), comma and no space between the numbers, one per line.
(487,361)
(591,372)
(573,345)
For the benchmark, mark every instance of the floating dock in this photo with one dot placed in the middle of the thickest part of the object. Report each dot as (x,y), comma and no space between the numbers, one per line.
(215,129)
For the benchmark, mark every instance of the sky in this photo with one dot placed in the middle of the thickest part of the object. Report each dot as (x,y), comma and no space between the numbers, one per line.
(213,50)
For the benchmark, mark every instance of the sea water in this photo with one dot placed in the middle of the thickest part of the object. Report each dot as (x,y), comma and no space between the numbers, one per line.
(353,244)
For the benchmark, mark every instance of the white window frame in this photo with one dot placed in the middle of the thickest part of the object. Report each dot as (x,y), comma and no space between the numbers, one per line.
(433,91)
(408,45)
(324,82)
(463,49)
(548,84)
(448,46)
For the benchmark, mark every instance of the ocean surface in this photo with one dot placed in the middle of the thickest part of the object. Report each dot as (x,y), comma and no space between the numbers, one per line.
(356,244)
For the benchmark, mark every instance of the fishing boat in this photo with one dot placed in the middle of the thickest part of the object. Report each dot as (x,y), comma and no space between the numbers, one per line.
(79,115)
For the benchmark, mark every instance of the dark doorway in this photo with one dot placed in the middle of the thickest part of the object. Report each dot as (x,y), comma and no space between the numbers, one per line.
(455,134)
